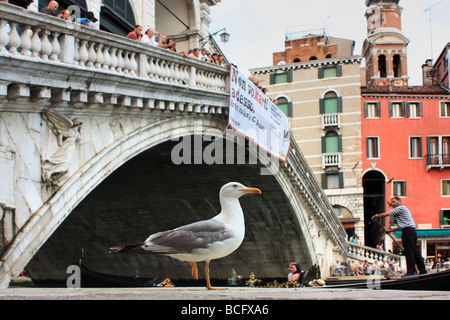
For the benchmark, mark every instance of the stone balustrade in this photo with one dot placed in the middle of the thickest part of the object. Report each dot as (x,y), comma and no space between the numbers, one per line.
(32,36)
(370,254)
(302,178)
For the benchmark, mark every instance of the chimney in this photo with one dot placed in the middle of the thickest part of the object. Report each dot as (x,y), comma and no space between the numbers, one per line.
(427,78)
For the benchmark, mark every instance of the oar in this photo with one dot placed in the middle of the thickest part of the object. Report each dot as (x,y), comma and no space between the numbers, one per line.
(384,229)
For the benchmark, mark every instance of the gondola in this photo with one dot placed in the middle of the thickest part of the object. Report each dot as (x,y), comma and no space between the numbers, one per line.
(438,281)
(91,278)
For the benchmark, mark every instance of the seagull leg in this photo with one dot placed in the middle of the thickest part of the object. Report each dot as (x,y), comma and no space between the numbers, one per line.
(194,269)
(208,282)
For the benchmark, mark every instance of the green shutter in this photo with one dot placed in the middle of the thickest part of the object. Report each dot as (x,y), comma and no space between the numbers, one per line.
(339,143)
(322,106)
(420,147)
(324,145)
(376,146)
(420,110)
(339,71)
(390,110)
(441,217)
(290,76)
(402,106)
(366,109)
(378,109)
(339,105)
(290,109)
(341,180)
(324,181)
(404,188)
(320,73)
(408,110)
(272,78)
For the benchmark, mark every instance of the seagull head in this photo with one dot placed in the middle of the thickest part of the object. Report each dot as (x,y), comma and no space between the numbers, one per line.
(236,190)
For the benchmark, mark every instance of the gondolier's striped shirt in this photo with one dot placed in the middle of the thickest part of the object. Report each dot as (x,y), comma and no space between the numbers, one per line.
(403,217)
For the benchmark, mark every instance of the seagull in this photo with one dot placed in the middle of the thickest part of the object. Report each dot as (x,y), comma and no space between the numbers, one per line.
(203,240)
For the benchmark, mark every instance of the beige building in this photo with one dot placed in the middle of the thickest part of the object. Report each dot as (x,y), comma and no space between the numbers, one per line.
(316,82)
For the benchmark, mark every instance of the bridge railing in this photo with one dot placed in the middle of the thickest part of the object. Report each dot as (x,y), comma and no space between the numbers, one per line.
(29,35)
(315,195)
(361,253)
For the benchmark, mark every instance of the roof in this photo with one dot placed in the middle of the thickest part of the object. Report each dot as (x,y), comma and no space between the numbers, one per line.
(411,90)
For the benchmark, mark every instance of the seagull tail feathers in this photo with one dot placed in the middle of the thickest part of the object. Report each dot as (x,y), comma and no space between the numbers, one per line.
(130,248)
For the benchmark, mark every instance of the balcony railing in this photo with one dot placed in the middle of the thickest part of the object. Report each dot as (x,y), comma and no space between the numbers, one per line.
(32,36)
(331,120)
(331,160)
(439,161)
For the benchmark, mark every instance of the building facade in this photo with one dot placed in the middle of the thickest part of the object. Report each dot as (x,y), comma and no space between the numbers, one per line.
(316,81)
(406,134)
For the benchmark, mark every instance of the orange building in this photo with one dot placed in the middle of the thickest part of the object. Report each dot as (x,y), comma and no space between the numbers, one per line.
(405,136)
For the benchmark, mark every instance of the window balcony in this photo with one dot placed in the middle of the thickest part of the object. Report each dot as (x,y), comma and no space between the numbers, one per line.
(331,160)
(438,161)
(331,120)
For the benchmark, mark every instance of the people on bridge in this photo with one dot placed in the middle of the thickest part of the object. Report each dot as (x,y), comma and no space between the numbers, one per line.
(407,225)
(136,34)
(51,8)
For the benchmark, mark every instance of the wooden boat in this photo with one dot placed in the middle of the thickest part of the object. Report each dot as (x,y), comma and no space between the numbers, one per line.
(96,279)
(438,281)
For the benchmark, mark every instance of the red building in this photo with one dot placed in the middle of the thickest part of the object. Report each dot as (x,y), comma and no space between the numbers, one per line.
(406,136)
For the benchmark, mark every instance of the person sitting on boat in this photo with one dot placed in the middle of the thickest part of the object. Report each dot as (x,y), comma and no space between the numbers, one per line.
(295,272)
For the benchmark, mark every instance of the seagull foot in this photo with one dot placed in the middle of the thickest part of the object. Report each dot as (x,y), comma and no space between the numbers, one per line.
(211,288)
(194,270)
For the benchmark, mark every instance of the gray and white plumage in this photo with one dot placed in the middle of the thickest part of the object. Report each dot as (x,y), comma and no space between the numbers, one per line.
(203,240)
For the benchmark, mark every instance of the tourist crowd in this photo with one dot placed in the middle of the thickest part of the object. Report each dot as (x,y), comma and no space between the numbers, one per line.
(150,37)
(355,268)
(153,38)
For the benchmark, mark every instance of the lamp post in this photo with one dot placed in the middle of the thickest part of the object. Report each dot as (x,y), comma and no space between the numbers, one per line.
(224,36)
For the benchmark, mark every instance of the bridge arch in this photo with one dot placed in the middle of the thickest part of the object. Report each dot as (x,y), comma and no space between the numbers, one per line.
(47,219)
(55,211)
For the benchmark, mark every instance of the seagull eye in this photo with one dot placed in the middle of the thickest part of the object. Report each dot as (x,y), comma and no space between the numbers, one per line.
(235,185)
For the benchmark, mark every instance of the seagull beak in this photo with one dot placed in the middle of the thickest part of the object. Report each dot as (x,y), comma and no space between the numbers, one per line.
(251,191)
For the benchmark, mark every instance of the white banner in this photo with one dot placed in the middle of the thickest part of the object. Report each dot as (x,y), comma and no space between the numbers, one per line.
(254,115)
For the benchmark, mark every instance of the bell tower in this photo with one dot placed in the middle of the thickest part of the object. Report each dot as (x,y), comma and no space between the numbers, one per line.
(384,49)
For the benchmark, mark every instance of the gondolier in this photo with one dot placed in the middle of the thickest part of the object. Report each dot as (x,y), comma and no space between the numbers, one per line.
(407,225)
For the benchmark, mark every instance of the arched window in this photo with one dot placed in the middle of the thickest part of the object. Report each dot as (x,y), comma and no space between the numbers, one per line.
(397,64)
(313,58)
(284,105)
(329,56)
(331,142)
(117,16)
(330,102)
(297,60)
(382,66)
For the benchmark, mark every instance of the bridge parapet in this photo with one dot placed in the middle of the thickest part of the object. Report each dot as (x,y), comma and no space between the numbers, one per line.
(109,68)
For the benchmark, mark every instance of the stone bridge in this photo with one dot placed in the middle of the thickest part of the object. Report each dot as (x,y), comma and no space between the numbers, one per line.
(89,122)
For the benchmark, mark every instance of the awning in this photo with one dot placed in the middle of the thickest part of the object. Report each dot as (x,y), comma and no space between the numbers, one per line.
(435,233)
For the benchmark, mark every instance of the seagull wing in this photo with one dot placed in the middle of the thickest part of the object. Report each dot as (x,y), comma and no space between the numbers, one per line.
(185,239)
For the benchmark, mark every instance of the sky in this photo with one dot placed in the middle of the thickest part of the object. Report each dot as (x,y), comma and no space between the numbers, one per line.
(257,28)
